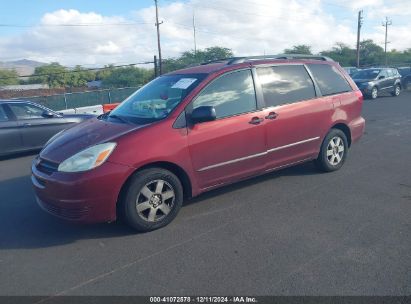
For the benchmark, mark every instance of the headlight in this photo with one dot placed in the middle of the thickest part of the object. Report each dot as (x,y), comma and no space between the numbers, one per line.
(87,159)
(53,137)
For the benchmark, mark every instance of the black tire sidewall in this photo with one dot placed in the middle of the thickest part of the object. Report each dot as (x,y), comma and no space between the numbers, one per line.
(322,160)
(139,180)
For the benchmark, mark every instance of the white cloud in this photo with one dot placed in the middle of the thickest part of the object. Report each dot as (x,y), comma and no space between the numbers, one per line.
(247,27)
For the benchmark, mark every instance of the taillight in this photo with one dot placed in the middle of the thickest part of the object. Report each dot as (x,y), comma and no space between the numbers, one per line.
(359,95)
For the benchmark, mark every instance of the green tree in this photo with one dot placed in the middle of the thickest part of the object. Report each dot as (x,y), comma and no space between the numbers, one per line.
(299,49)
(343,54)
(371,53)
(53,74)
(79,77)
(127,77)
(189,58)
(8,77)
(105,72)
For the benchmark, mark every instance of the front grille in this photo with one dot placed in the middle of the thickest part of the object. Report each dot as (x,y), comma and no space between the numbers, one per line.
(67,213)
(46,166)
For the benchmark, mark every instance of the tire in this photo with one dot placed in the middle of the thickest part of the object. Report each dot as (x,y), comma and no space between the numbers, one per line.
(397,90)
(374,93)
(159,195)
(333,152)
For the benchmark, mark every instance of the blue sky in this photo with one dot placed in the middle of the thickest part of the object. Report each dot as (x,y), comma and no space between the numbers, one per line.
(248,27)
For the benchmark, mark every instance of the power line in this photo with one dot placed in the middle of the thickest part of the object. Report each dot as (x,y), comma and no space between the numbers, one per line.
(73,24)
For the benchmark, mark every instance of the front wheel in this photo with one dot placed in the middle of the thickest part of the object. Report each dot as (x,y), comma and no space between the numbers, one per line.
(152,199)
(333,151)
(397,90)
(374,93)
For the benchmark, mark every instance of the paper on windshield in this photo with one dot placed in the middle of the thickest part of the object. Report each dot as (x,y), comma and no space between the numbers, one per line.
(183,83)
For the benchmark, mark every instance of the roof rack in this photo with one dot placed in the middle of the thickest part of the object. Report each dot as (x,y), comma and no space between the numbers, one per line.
(280,56)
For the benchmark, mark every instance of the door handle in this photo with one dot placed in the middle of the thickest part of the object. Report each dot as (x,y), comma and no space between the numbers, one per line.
(256,120)
(26,124)
(271,115)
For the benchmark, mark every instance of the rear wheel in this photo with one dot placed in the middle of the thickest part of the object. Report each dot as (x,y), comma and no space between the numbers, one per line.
(397,90)
(152,199)
(333,151)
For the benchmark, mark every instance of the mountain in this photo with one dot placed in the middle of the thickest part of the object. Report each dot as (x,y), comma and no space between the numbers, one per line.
(23,67)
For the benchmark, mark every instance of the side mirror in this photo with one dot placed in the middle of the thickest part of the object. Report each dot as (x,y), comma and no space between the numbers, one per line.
(381,77)
(203,114)
(47,114)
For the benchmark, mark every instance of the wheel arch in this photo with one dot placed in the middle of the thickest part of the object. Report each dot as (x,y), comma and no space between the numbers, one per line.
(173,168)
(344,128)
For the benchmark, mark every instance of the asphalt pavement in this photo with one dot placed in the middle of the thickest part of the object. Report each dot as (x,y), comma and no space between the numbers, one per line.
(291,232)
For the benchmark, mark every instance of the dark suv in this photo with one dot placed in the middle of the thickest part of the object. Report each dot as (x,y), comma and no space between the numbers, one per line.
(406,76)
(197,129)
(372,81)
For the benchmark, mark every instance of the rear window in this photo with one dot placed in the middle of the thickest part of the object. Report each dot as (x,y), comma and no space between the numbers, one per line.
(329,79)
(285,84)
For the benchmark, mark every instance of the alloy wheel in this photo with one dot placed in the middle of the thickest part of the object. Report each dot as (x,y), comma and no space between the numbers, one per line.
(335,150)
(374,93)
(155,200)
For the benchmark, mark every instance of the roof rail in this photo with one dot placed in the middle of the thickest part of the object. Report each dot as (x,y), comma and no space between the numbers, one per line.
(280,56)
(217,60)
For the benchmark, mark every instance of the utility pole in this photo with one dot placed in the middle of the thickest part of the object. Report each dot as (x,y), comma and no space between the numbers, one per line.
(155,67)
(386,24)
(160,64)
(360,19)
(194,33)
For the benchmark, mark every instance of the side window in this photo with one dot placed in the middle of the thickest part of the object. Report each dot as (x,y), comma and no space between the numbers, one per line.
(383,73)
(390,72)
(26,111)
(3,116)
(285,84)
(230,94)
(329,79)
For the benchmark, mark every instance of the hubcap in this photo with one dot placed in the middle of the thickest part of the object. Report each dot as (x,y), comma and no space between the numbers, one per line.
(335,150)
(155,200)
(397,90)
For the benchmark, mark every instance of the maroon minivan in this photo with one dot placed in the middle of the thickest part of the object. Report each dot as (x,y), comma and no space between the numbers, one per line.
(197,129)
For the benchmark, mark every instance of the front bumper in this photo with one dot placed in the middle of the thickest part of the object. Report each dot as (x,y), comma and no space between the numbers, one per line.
(84,197)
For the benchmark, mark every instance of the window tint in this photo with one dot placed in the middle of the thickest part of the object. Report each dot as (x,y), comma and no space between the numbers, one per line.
(3,116)
(230,94)
(26,111)
(285,84)
(329,79)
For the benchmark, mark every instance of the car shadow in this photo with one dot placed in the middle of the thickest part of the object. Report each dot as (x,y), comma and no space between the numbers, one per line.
(307,168)
(24,225)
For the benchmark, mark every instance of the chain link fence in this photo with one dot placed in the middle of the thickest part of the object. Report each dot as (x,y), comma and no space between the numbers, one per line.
(66,101)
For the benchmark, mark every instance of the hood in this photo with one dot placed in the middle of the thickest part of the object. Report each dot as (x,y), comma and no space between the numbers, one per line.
(362,80)
(83,135)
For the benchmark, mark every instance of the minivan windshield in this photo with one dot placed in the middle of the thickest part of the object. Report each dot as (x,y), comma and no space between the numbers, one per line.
(157,99)
(366,74)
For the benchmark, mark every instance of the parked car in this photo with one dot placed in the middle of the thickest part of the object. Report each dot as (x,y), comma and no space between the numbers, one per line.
(197,129)
(26,126)
(372,81)
(405,77)
(351,70)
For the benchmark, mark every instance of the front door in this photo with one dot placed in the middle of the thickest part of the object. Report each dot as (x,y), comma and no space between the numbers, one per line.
(10,137)
(232,146)
(36,129)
